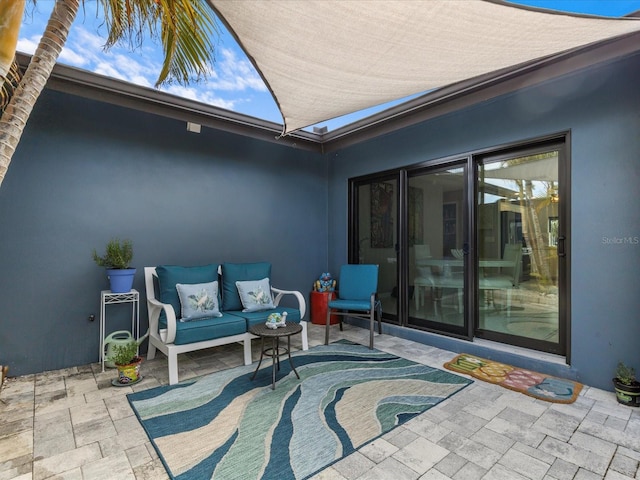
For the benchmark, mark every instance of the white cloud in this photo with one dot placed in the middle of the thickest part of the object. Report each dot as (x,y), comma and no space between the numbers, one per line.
(28,45)
(234,74)
(232,82)
(70,57)
(202,95)
(109,70)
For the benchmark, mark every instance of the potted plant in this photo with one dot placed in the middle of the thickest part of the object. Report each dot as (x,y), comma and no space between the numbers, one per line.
(117,260)
(127,361)
(626,386)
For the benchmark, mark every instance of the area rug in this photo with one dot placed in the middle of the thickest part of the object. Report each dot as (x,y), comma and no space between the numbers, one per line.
(534,384)
(225,426)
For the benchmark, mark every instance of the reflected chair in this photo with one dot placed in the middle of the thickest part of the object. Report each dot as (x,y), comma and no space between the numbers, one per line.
(509,278)
(435,278)
(356,297)
(423,278)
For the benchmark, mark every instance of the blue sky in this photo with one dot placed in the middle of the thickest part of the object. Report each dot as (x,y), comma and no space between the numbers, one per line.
(234,84)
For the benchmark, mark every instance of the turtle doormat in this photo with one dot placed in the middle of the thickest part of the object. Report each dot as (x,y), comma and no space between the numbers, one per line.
(534,384)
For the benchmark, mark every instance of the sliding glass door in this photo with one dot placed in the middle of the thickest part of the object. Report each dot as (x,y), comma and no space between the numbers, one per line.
(520,250)
(375,236)
(475,247)
(436,245)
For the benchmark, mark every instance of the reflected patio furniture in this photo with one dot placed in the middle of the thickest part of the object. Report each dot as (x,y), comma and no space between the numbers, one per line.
(356,297)
(439,273)
(436,282)
(436,274)
(509,276)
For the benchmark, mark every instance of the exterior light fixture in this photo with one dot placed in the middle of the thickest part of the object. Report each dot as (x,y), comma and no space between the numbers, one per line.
(193,127)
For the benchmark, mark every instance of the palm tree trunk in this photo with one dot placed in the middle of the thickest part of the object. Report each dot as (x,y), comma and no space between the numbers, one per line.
(14,119)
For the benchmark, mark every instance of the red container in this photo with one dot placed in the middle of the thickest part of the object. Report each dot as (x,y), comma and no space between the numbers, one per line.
(319,301)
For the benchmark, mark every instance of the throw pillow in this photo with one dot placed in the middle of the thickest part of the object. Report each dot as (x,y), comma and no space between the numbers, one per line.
(170,275)
(239,272)
(255,295)
(198,300)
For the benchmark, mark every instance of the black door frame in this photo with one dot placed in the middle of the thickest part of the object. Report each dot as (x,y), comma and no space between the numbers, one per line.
(560,142)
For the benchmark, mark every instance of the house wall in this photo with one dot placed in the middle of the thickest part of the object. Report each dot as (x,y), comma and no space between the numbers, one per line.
(601,108)
(86,171)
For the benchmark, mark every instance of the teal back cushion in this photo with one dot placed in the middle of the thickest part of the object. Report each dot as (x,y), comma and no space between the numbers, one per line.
(170,275)
(358,282)
(240,272)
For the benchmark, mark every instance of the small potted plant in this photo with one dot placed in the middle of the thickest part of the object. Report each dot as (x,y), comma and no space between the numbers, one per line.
(117,261)
(626,386)
(127,361)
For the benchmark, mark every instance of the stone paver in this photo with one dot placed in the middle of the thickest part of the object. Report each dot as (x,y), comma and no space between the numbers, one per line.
(72,424)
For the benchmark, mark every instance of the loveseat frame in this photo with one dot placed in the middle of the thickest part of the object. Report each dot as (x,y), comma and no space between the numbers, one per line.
(163,338)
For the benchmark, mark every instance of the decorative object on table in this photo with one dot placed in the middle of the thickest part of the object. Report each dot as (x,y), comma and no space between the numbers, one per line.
(275,320)
(223,425)
(126,359)
(117,261)
(537,385)
(325,283)
(626,386)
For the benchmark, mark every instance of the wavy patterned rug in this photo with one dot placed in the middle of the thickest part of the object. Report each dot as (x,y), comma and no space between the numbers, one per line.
(534,384)
(225,426)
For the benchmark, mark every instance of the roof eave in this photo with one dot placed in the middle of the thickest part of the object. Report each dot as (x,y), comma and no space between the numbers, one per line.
(439,102)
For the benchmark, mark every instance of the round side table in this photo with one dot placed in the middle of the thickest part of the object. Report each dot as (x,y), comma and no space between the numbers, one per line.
(275,350)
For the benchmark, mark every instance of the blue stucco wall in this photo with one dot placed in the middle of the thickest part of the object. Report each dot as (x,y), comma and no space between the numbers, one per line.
(601,108)
(86,171)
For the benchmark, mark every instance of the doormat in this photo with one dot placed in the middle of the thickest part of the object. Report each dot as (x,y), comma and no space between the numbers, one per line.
(534,384)
(225,426)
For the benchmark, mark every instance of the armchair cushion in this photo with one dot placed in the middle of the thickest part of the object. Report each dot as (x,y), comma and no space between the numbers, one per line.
(363,305)
(240,272)
(198,300)
(255,295)
(170,275)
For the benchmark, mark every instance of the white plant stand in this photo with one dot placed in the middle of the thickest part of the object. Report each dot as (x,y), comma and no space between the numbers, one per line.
(109,298)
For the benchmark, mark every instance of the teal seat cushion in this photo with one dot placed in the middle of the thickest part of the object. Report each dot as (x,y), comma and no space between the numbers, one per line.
(170,275)
(209,329)
(363,305)
(240,272)
(253,318)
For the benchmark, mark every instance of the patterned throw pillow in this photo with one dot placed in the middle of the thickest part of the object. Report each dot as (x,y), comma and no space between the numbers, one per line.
(198,300)
(255,295)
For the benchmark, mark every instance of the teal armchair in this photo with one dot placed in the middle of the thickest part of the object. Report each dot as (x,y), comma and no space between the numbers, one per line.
(356,297)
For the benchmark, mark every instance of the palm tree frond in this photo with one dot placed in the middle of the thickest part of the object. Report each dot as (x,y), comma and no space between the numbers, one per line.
(12,79)
(186,29)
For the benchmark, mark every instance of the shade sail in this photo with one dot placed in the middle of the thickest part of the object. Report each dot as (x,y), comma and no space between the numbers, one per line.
(544,169)
(325,58)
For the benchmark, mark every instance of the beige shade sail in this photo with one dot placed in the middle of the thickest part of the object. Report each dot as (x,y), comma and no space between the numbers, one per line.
(544,169)
(325,58)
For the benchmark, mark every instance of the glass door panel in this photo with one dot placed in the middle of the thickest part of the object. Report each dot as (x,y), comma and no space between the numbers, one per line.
(517,234)
(436,237)
(377,236)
